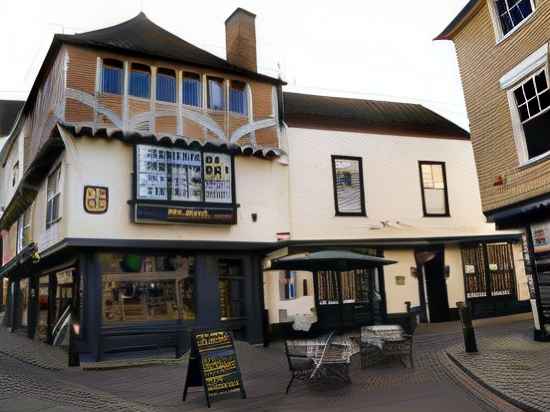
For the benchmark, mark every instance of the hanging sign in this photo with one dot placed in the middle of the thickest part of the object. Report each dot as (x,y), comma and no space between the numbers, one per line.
(213,364)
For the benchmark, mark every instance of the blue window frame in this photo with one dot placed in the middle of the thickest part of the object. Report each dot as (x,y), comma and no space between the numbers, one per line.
(238,102)
(140,81)
(216,95)
(112,77)
(191,90)
(166,86)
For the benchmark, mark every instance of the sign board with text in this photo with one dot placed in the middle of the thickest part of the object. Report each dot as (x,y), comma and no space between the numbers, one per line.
(213,364)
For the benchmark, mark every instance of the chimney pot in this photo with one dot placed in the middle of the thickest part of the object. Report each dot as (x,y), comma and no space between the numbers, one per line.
(240,39)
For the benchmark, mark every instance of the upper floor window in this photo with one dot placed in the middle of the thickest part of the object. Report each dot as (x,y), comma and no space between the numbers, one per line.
(512,12)
(532,98)
(112,75)
(433,182)
(53,197)
(216,95)
(349,195)
(166,85)
(191,89)
(238,102)
(15,174)
(24,230)
(140,81)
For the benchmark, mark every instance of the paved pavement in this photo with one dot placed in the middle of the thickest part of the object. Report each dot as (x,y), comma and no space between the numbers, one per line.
(30,381)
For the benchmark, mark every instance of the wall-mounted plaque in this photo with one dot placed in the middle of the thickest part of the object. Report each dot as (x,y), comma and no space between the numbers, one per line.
(400,280)
(96,199)
(541,237)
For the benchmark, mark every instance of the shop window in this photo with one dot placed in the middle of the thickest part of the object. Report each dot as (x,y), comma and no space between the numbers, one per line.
(140,81)
(511,13)
(305,291)
(287,285)
(192,90)
(43,305)
(166,85)
(63,305)
(349,195)
(355,286)
(328,288)
(216,94)
(231,289)
(238,99)
(140,288)
(24,291)
(433,182)
(532,99)
(53,197)
(112,75)
(24,230)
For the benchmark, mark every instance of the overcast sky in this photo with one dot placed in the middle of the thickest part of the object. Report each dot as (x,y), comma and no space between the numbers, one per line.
(370,49)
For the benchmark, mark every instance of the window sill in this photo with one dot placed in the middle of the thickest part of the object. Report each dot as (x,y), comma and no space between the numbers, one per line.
(515,29)
(436,216)
(534,161)
(108,94)
(139,98)
(190,106)
(350,215)
(163,102)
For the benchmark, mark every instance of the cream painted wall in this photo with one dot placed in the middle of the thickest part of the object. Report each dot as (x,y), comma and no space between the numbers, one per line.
(392,185)
(301,305)
(521,276)
(14,155)
(261,187)
(455,281)
(397,295)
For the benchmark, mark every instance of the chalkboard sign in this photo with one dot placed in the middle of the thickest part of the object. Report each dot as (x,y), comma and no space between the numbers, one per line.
(213,364)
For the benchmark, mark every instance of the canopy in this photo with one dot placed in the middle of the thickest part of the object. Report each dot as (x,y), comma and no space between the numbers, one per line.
(335,260)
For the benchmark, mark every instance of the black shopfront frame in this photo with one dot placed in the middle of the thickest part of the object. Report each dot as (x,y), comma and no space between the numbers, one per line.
(180,212)
(363,212)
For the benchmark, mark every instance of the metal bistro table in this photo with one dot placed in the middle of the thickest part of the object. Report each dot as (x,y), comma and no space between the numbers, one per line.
(389,340)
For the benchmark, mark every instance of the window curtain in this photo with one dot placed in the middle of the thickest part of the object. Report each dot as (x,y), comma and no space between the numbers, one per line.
(238,101)
(112,80)
(166,88)
(140,83)
(191,92)
(216,95)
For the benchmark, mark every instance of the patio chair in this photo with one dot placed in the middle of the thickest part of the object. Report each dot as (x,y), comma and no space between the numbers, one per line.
(300,365)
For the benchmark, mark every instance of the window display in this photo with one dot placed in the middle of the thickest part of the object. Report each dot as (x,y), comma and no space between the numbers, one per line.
(42,324)
(231,285)
(24,302)
(147,288)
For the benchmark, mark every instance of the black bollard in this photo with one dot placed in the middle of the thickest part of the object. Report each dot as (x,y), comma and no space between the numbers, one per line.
(470,344)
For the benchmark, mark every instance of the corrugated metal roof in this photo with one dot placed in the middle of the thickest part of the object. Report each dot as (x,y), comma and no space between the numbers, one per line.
(303,110)
(9,109)
(458,20)
(140,35)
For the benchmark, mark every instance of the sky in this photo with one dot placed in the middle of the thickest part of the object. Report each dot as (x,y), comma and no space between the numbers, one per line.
(368,49)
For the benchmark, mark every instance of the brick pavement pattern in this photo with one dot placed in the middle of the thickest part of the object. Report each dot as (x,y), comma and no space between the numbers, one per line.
(33,377)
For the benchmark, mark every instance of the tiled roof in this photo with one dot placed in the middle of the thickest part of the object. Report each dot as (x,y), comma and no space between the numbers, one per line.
(141,36)
(304,110)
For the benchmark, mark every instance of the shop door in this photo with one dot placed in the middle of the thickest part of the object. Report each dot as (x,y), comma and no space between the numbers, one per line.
(436,288)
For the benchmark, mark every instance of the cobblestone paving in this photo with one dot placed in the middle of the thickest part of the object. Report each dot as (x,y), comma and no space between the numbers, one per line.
(33,377)
(514,365)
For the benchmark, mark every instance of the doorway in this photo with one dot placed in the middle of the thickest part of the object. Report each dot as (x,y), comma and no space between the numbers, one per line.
(435,286)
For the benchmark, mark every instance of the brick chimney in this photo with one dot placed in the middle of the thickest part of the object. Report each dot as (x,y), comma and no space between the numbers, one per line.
(240,39)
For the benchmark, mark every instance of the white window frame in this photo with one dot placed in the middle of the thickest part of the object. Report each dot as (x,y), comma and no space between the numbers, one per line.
(58,193)
(22,228)
(497,25)
(15,174)
(533,64)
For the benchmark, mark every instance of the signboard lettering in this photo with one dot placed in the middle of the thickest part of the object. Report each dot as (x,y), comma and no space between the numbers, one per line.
(213,364)
(176,214)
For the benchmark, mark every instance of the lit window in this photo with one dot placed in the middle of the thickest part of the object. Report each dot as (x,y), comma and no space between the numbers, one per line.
(53,196)
(112,76)
(140,81)
(140,288)
(166,85)
(191,89)
(348,186)
(238,102)
(231,288)
(433,183)
(512,12)
(532,99)
(216,95)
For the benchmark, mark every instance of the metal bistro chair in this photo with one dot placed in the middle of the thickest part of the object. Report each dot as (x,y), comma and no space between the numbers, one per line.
(300,365)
